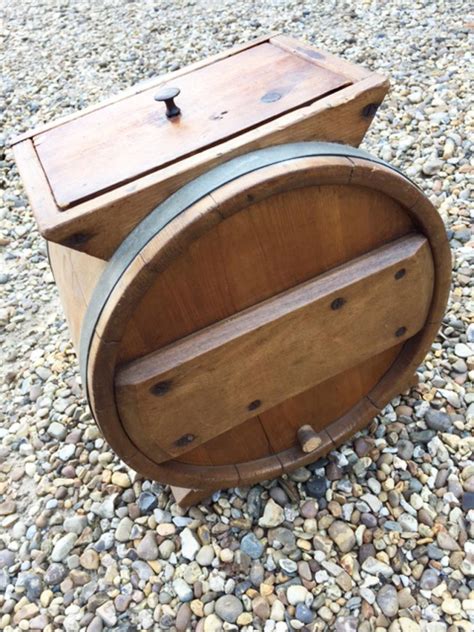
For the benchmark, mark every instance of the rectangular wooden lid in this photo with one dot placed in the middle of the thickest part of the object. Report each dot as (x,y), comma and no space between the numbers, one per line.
(125,140)
(93,176)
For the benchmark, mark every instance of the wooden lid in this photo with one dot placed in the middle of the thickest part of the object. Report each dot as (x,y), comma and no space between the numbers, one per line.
(122,141)
(93,176)
(296,286)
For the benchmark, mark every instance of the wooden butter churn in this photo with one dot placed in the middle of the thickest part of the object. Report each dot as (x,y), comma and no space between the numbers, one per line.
(245,289)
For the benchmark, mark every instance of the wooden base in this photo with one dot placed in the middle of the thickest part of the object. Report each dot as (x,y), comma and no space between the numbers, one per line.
(186,497)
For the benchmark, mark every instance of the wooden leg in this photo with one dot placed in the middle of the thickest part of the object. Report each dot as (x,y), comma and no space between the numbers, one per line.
(187,497)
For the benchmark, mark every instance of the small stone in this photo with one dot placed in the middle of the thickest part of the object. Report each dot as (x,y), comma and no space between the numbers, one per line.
(288,566)
(89,560)
(273,515)
(279,496)
(375,567)
(66,452)
(107,508)
(451,606)
(121,479)
(430,579)
(282,537)
(316,487)
(333,472)
(342,535)
(277,612)
(431,167)
(57,430)
(205,555)
(26,612)
(387,599)
(183,618)
(463,350)
(408,625)
(124,530)
(55,574)
(251,545)
(107,613)
(189,544)
(63,547)
(212,623)
(96,625)
(303,613)
(366,551)
(309,509)
(408,523)
(7,558)
(446,541)
(147,502)
(405,449)
(261,608)
(75,524)
(296,594)
(437,420)
(7,507)
(183,591)
(373,502)
(229,608)
(361,447)
(147,548)
(468,501)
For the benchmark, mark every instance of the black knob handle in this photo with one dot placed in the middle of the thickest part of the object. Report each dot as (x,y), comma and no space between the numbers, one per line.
(168,95)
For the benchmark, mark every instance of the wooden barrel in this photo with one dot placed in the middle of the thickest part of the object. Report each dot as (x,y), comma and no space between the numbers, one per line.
(298,285)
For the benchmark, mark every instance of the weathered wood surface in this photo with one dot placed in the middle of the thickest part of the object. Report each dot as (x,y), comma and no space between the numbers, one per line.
(217,378)
(97,226)
(133,137)
(256,237)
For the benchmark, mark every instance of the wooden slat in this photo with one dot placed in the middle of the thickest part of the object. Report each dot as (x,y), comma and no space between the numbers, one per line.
(205,384)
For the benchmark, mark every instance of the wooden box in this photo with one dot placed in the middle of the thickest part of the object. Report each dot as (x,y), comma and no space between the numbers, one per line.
(243,294)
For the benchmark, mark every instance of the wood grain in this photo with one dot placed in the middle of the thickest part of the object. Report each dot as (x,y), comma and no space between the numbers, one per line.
(87,226)
(202,247)
(206,383)
(133,137)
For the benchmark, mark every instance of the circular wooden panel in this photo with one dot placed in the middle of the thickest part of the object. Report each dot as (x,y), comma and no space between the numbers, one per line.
(204,290)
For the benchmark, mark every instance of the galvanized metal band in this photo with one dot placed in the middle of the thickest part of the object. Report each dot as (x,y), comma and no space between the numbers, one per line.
(185,197)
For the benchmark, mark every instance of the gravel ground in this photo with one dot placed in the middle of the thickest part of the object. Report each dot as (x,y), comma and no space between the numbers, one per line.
(378,535)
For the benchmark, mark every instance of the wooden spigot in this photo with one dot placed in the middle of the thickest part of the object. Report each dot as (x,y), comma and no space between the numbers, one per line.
(309,440)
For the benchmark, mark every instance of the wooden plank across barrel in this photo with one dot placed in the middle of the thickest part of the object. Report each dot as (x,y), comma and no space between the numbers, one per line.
(242,301)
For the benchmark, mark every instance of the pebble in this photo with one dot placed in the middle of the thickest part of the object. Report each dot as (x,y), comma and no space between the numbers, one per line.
(342,535)
(189,544)
(182,590)
(273,515)
(316,487)
(124,530)
(430,579)
(147,548)
(251,546)
(228,608)
(463,351)
(303,613)
(63,547)
(451,606)
(296,594)
(387,599)
(107,613)
(437,420)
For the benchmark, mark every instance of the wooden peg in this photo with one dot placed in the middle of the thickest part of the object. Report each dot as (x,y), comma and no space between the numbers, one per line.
(308,439)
